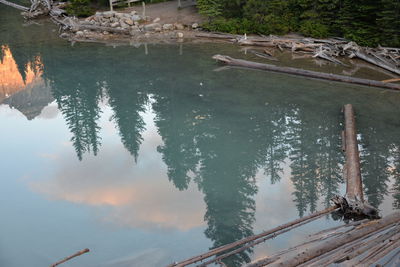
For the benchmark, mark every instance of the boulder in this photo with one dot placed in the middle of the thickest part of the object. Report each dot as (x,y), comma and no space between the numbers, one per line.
(179,26)
(128,21)
(195,25)
(152,27)
(109,14)
(136,17)
(123,25)
(114,24)
(120,15)
(168,27)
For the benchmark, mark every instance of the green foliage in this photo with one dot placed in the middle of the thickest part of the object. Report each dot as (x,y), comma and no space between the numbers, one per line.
(314,29)
(368,22)
(80,8)
(210,8)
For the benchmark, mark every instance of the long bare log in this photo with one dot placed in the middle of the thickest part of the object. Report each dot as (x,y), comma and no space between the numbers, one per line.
(312,74)
(354,182)
(255,242)
(23,8)
(334,243)
(82,27)
(86,250)
(226,247)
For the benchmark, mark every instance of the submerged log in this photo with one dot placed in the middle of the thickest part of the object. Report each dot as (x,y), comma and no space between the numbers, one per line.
(312,74)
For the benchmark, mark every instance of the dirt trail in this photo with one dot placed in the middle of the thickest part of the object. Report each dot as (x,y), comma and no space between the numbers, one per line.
(168,12)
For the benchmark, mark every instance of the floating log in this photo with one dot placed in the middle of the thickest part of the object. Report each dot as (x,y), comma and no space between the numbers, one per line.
(86,250)
(375,62)
(312,74)
(226,247)
(354,182)
(23,8)
(334,243)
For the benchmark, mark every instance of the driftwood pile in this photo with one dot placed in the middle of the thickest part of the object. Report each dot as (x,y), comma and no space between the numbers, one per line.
(328,49)
(360,243)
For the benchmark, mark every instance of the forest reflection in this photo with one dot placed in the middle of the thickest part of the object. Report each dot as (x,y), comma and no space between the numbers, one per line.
(219,138)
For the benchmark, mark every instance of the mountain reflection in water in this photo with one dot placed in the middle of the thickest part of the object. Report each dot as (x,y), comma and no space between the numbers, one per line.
(217,130)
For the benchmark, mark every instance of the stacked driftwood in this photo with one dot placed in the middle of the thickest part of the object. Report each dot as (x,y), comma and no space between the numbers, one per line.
(328,49)
(356,244)
(41,8)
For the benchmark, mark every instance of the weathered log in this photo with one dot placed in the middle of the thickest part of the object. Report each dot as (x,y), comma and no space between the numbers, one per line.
(217,36)
(255,242)
(370,244)
(23,8)
(373,61)
(391,244)
(334,243)
(354,182)
(348,253)
(86,250)
(262,55)
(312,74)
(391,80)
(226,247)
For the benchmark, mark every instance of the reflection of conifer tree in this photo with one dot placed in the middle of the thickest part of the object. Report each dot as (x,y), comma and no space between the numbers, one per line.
(330,157)
(81,111)
(275,149)
(77,88)
(229,163)
(175,119)
(374,165)
(127,106)
(396,176)
(303,155)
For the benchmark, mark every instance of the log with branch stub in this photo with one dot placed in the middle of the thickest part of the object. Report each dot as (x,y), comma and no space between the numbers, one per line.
(312,74)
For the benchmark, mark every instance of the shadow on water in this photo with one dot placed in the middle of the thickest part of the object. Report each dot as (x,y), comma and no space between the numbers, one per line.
(219,129)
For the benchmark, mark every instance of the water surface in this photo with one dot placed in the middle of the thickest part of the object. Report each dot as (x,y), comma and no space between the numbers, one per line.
(150,158)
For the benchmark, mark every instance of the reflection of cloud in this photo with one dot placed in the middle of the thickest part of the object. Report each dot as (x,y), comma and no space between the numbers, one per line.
(49,112)
(151,257)
(136,195)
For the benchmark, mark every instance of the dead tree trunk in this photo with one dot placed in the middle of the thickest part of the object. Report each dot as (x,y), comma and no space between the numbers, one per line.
(312,74)
(353,176)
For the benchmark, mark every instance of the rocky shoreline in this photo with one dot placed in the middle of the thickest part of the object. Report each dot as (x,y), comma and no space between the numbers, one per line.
(118,26)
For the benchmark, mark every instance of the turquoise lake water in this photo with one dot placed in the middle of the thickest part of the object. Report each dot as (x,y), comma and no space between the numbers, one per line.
(148,159)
